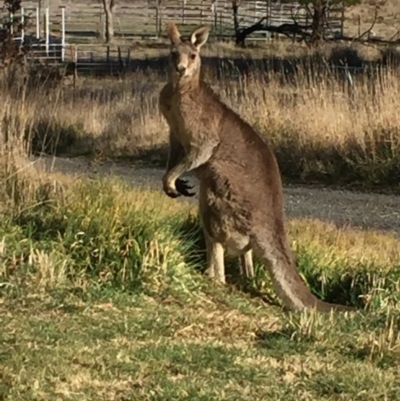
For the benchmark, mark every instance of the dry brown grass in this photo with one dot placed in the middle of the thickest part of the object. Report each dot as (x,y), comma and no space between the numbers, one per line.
(387,24)
(353,245)
(321,127)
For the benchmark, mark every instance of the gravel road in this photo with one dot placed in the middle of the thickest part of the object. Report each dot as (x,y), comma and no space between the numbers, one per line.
(342,207)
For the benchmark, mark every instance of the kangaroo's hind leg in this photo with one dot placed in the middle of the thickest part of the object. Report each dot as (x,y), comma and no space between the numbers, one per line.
(246,264)
(215,259)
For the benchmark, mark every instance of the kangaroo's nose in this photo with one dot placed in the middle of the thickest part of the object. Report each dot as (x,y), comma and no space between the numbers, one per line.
(181,69)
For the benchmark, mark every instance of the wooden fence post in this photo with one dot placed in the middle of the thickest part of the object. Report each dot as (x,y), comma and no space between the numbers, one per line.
(221,19)
(120,60)
(158,18)
(75,58)
(215,14)
(342,20)
(128,59)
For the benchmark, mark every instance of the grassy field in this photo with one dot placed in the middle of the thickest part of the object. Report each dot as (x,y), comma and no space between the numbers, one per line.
(102,295)
(102,298)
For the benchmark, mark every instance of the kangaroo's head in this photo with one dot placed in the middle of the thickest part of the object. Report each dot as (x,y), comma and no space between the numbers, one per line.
(185,53)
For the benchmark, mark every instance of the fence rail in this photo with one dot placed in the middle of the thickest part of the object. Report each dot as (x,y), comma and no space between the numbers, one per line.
(147,18)
(105,60)
(59,33)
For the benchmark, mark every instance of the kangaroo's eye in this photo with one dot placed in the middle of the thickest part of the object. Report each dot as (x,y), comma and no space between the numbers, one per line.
(193,56)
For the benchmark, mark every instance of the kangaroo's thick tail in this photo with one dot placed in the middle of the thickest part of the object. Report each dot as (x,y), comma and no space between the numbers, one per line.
(277,257)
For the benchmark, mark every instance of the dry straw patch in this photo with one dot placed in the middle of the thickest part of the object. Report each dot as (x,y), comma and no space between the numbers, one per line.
(350,244)
(320,126)
(320,114)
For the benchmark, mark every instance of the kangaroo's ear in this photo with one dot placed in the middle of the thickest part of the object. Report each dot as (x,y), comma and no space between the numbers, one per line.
(173,33)
(199,36)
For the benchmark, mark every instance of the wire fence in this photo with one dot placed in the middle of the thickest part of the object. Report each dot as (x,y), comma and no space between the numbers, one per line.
(105,60)
(57,34)
(84,21)
(64,32)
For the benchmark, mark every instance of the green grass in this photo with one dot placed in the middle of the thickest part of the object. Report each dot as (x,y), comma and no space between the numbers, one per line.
(116,347)
(102,298)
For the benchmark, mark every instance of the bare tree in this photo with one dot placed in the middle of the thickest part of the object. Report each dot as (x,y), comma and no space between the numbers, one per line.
(312,33)
(11,50)
(108,10)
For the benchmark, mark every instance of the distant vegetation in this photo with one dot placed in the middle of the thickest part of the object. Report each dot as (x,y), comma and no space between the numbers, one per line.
(323,126)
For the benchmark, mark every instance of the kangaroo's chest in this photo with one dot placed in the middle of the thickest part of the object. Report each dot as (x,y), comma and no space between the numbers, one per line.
(189,123)
(193,118)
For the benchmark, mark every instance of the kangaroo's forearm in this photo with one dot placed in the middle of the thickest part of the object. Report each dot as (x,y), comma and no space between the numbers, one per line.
(191,160)
(176,152)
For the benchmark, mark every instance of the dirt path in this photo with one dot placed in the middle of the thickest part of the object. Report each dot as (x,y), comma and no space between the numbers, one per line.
(342,207)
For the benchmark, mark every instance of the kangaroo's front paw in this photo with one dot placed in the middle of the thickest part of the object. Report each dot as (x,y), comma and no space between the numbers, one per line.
(183,187)
(177,188)
(170,188)
(171,192)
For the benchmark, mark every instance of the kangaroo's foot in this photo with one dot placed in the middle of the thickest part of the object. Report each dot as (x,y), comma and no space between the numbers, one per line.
(246,264)
(215,259)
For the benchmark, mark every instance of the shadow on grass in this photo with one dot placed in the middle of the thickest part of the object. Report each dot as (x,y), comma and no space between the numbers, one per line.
(286,342)
(154,156)
(338,338)
(280,342)
(56,139)
(342,289)
(374,164)
(43,226)
(223,65)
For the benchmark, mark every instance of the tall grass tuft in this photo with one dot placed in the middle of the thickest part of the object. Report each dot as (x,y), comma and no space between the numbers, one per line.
(322,128)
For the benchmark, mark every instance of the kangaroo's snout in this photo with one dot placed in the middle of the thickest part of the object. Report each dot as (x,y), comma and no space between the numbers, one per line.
(180,69)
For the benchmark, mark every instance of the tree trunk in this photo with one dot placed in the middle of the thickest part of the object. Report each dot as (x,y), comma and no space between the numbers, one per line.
(318,22)
(235,9)
(108,10)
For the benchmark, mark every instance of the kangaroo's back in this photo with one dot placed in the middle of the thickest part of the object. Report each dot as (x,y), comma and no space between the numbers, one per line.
(242,157)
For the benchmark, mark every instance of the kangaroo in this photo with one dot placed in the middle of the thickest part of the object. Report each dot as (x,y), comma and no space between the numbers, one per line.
(240,197)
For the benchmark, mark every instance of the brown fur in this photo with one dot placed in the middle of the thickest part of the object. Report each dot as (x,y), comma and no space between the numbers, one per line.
(241,199)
